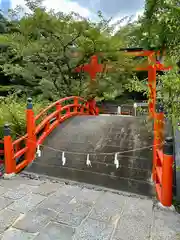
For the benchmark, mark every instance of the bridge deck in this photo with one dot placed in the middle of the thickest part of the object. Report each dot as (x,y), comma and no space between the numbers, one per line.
(94,135)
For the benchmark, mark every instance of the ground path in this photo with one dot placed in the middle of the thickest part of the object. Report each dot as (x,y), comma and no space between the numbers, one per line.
(41,208)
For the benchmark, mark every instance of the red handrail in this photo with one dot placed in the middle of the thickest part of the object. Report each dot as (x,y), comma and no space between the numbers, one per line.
(39,127)
(55,103)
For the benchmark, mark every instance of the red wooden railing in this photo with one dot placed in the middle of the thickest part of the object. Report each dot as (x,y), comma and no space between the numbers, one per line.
(39,127)
(162,161)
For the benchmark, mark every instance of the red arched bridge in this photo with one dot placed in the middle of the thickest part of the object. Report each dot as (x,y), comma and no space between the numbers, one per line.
(69,139)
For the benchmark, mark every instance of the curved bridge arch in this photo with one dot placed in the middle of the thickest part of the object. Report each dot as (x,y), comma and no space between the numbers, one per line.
(39,127)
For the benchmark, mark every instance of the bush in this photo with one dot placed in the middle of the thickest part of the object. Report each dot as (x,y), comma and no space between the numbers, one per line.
(12,111)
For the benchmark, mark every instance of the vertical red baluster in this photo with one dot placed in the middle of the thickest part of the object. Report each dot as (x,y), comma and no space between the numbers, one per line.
(76,102)
(47,126)
(58,108)
(86,107)
(68,111)
(92,106)
(97,111)
(83,106)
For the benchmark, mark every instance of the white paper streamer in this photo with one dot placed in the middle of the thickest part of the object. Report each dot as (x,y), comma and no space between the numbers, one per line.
(88,162)
(63,159)
(38,152)
(116,161)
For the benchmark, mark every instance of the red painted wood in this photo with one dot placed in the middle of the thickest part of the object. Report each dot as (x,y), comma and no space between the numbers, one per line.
(31,137)
(78,105)
(9,155)
(92,69)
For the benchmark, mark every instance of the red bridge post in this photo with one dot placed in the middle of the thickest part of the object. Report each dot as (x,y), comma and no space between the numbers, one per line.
(31,136)
(10,164)
(167,173)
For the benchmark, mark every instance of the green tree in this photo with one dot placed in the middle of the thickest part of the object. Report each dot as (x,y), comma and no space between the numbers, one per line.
(3,24)
(39,57)
(161,23)
(160,28)
(5,28)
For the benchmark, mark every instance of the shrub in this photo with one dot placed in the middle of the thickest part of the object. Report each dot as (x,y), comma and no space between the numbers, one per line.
(12,111)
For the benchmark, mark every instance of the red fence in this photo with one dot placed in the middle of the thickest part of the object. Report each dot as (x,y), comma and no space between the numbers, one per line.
(38,128)
(162,161)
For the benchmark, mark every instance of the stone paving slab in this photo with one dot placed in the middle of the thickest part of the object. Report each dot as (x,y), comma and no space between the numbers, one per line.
(40,208)
(4,202)
(26,203)
(16,234)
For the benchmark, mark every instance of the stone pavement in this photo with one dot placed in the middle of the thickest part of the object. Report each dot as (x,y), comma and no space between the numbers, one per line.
(41,208)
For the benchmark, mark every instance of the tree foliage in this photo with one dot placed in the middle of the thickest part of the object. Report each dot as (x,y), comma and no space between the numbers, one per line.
(161,25)
(39,58)
(159,28)
(12,111)
(40,51)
